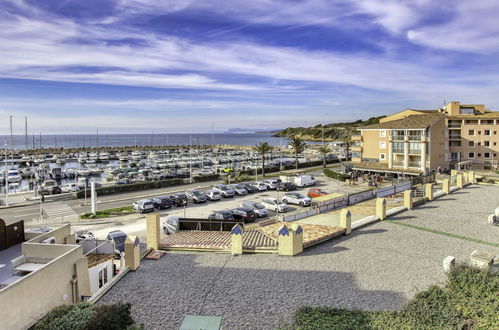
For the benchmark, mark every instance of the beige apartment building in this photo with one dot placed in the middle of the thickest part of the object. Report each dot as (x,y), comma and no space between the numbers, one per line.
(413,142)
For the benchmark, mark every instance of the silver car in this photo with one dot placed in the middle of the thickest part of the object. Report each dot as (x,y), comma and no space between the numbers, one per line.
(224,190)
(296,198)
(213,195)
(275,205)
(258,208)
(240,191)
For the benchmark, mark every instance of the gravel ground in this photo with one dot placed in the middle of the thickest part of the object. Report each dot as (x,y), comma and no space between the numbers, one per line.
(377,267)
(463,212)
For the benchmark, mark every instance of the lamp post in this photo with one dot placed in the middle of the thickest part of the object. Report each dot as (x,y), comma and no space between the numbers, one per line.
(6,178)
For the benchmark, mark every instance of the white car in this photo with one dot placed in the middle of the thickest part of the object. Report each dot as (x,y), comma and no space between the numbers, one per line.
(213,195)
(260,186)
(272,184)
(275,205)
(258,208)
(143,206)
(296,198)
(69,187)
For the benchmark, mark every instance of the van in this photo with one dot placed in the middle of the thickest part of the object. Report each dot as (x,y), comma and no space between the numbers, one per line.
(304,181)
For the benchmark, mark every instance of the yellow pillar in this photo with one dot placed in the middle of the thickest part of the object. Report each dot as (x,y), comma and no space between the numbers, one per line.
(446,186)
(471,176)
(132,252)
(153,230)
(453,172)
(236,247)
(381,208)
(465,176)
(346,220)
(429,191)
(408,199)
(290,240)
(460,182)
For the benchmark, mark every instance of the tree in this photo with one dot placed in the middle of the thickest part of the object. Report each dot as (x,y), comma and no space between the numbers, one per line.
(324,150)
(262,149)
(346,137)
(298,144)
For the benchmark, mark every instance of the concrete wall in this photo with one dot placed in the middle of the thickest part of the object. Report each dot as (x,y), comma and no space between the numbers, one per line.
(93,274)
(28,299)
(59,234)
(370,144)
(438,145)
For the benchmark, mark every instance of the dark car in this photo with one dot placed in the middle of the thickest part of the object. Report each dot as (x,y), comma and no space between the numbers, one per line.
(195,196)
(179,199)
(124,181)
(249,188)
(50,190)
(119,238)
(221,215)
(286,186)
(243,213)
(162,202)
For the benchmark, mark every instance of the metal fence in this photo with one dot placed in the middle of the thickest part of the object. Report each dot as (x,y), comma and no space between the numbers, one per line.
(423,179)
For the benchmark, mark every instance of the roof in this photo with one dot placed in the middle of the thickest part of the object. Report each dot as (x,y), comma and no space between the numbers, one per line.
(95,259)
(411,122)
(485,115)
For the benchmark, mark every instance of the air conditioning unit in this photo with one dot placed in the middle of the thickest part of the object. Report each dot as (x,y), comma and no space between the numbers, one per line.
(50,240)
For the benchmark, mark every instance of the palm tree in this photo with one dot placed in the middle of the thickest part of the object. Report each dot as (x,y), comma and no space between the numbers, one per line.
(324,150)
(346,137)
(263,148)
(298,144)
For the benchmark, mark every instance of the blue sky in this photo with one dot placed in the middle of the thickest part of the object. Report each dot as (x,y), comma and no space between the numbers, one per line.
(173,66)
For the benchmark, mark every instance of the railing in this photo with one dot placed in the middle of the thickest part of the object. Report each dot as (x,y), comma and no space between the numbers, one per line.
(454,136)
(454,125)
(414,137)
(398,151)
(398,137)
(415,151)
(398,163)
(414,164)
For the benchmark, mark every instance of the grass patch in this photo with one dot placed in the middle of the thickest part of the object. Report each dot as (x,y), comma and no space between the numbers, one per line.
(467,301)
(336,175)
(443,233)
(116,212)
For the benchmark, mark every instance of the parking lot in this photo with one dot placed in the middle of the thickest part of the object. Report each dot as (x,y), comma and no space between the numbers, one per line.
(191,210)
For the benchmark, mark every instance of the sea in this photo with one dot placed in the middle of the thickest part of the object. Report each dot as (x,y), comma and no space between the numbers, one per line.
(120,140)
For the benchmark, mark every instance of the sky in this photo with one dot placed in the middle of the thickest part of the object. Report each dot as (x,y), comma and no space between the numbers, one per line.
(179,66)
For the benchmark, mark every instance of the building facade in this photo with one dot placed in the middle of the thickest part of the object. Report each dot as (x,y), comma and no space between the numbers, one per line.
(414,142)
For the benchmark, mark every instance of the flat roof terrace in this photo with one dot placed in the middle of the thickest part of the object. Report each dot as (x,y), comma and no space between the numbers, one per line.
(377,267)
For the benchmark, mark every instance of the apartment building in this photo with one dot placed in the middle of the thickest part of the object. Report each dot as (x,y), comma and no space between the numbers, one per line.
(413,142)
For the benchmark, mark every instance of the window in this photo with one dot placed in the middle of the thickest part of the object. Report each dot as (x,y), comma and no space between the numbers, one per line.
(382,156)
(471,132)
(382,144)
(486,143)
(102,277)
(471,155)
(471,144)
(382,133)
(479,155)
(479,132)
(466,111)
(486,132)
(495,143)
(486,155)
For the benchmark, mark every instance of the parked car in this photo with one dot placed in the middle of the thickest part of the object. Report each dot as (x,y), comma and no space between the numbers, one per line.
(275,205)
(83,235)
(225,191)
(162,202)
(238,189)
(124,181)
(271,184)
(243,213)
(213,195)
(143,206)
(119,238)
(69,187)
(249,188)
(304,180)
(316,192)
(258,208)
(296,198)
(54,190)
(221,215)
(179,199)
(195,196)
(286,186)
(260,186)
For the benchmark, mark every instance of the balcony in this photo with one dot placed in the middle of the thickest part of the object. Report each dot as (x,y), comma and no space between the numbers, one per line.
(414,151)
(398,163)
(414,137)
(415,164)
(398,151)
(454,137)
(398,137)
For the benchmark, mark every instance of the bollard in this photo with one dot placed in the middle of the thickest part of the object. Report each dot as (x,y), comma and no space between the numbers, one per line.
(453,172)
(465,177)
(132,252)
(449,262)
(290,240)
(459,181)
(408,199)
(153,230)
(236,247)
(381,208)
(429,191)
(346,220)
(471,176)
(446,186)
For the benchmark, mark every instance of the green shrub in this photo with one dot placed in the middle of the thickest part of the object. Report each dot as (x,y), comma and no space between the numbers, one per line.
(133,187)
(111,317)
(204,178)
(74,318)
(54,314)
(108,213)
(335,175)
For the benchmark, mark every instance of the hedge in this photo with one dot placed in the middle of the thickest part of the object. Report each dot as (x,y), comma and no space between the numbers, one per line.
(133,187)
(204,178)
(336,175)
(86,316)
(118,211)
(467,301)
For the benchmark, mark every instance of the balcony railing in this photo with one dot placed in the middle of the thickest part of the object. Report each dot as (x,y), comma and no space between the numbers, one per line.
(414,137)
(398,151)
(415,151)
(414,164)
(398,137)
(454,136)
(398,163)
(455,125)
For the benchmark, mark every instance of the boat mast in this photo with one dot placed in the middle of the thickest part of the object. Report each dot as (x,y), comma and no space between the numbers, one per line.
(26,130)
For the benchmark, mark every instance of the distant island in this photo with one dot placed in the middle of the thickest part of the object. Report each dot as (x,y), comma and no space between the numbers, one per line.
(251,130)
(332,132)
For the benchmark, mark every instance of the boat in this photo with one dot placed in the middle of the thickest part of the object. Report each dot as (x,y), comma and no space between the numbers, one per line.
(56,173)
(104,157)
(94,171)
(2,178)
(13,176)
(83,172)
(42,173)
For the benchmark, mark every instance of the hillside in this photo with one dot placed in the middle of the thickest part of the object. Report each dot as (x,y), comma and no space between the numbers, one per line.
(332,131)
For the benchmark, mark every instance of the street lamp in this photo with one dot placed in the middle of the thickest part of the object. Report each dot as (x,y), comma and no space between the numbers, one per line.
(6,177)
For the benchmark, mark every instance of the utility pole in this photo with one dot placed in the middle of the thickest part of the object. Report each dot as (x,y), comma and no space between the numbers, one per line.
(6,178)
(190,158)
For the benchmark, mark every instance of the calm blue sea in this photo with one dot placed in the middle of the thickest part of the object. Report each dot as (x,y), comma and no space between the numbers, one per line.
(117,140)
